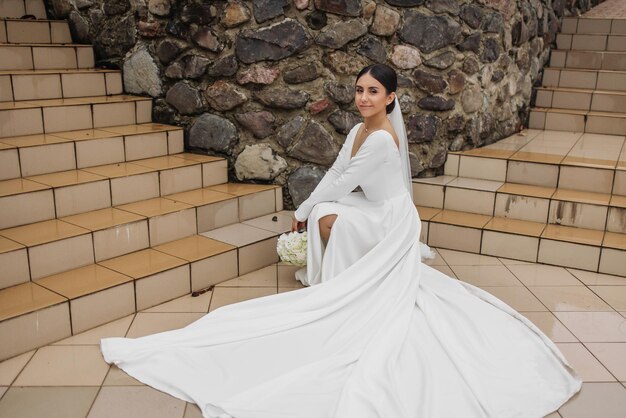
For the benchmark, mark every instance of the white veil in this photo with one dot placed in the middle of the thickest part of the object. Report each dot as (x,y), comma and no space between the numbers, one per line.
(397,123)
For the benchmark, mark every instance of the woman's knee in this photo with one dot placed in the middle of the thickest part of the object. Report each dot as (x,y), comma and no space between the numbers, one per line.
(326,222)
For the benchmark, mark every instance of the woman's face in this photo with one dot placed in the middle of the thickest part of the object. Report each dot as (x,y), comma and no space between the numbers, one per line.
(370,96)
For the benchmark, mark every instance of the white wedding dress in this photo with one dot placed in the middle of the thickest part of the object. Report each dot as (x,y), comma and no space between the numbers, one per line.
(378,334)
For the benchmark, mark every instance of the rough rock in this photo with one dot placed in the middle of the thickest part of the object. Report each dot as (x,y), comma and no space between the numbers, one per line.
(373,49)
(470,65)
(472,99)
(194,66)
(169,49)
(444,6)
(441,61)
(282,98)
(315,145)
(289,131)
(141,74)
(343,121)
(491,50)
(235,13)
(261,124)
(302,73)
(343,7)
(301,4)
(259,162)
(223,67)
(429,33)
(340,93)
(159,7)
(492,23)
(149,29)
(61,8)
(198,13)
(416,165)
(456,123)
(471,43)
(422,128)
(430,83)
(316,20)
(385,22)
(340,33)
(175,70)
(472,15)
(438,159)
(213,133)
(115,7)
(456,81)
(79,27)
(437,103)
(343,63)
(405,3)
(302,182)
(319,106)
(405,57)
(184,98)
(222,96)
(268,9)
(206,39)
(258,74)
(273,42)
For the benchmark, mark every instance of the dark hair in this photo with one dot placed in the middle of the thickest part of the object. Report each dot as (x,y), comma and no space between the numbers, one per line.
(386,76)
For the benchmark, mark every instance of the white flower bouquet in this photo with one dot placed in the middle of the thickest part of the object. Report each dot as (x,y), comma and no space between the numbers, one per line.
(291,248)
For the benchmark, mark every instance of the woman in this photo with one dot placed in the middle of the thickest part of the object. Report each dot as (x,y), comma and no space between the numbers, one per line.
(380,335)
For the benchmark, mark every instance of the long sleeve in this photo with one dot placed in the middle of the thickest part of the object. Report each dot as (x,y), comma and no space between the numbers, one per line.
(372,153)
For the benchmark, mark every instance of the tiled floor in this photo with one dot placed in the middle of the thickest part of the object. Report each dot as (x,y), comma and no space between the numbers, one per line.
(614,9)
(583,313)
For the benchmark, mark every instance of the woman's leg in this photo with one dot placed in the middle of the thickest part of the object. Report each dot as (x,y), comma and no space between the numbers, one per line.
(326,224)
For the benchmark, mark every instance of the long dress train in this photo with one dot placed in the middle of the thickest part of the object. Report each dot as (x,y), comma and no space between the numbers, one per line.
(378,334)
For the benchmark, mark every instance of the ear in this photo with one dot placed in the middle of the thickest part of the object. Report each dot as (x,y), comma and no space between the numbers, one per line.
(391,98)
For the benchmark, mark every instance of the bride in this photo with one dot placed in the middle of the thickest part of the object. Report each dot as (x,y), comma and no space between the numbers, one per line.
(377,334)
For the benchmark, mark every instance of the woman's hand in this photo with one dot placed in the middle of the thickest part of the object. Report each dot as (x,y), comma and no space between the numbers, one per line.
(296,225)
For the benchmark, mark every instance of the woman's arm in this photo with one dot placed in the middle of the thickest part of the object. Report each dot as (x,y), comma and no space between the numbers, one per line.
(372,153)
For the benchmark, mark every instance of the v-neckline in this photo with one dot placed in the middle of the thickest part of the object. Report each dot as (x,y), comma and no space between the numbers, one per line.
(354,140)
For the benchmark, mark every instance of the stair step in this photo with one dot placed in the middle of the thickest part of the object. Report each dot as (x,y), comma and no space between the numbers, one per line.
(591,42)
(585,79)
(580,248)
(56,115)
(599,211)
(58,84)
(581,99)
(75,191)
(95,294)
(17,31)
(111,232)
(572,120)
(18,8)
(582,25)
(45,56)
(591,60)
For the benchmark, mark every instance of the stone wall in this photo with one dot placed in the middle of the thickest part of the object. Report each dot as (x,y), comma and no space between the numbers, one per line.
(269,83)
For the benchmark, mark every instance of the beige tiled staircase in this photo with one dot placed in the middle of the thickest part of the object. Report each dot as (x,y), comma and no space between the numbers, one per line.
(102,213)
(555,193)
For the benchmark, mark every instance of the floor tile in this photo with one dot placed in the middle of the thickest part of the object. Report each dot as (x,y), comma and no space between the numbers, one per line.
(613,295)
(117,328)
(151,323)
(49,402)
(597,400)
(595,326)
(281,224)
(551,326)
(486,275)
(135,402)
(511,262)
(437,261)
(227,295)
(517,297)
(118,377)
(58,365)
(192,411)
(194,248)
(265,277)
(612,356)
(9,369)
(186,303)
(590,278)
(3,390)
(458,258)
(446,270)
(569,298)
(543,275)
(239,234)
(586,365)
